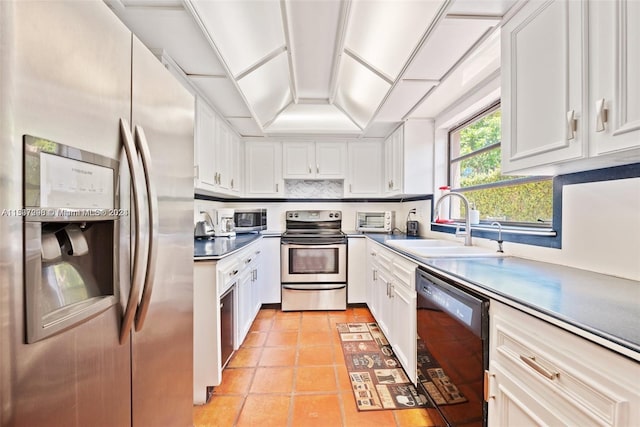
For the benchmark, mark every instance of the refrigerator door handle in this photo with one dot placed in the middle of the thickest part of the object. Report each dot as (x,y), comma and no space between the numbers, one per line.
(136,275)
(143,148)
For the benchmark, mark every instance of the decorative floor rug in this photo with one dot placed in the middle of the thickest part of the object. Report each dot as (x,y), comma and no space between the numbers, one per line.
(377,378)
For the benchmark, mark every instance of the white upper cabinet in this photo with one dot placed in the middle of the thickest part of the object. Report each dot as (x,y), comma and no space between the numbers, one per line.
(205,174)
(227,163)
(543,118)
(217,154)
(313,160)
(364,174)
(408,159)
(570,87)
(263,164)
(614,79)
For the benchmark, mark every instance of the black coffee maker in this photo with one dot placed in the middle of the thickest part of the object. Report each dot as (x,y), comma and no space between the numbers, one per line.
(412,225)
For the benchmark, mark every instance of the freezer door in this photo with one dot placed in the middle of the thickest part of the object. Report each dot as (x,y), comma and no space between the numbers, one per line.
(65,70)
(162,120)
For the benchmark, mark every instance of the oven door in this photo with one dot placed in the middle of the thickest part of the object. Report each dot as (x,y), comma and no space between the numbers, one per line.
(309,263)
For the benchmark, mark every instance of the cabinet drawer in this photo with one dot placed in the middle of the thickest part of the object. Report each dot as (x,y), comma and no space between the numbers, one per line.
(228,272)
(573,374)
(248,259)
(381,257)
(405,272)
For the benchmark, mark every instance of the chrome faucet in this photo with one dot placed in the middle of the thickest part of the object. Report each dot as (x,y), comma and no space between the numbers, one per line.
(467,216)
(499,235)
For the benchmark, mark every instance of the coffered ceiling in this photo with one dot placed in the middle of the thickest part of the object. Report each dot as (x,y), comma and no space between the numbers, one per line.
(353,68)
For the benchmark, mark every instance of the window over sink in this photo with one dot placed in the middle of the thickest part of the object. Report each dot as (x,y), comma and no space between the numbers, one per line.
(475,171)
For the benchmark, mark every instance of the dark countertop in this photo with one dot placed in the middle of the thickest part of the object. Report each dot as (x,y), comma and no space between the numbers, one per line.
(605,306)
(218,247)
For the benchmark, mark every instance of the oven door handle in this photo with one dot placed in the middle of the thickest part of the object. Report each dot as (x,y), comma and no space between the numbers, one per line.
(312,245)
(314,287)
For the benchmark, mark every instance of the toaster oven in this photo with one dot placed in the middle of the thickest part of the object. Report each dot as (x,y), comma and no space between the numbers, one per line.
(375,222)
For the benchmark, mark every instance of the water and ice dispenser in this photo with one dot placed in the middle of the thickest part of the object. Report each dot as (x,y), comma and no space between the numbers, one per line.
(71,225)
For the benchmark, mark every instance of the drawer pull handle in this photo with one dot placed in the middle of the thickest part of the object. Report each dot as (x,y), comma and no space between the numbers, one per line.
(233,273)
(533,363)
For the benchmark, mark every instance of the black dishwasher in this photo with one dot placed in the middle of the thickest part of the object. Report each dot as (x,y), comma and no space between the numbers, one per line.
(226,325)
(453,348)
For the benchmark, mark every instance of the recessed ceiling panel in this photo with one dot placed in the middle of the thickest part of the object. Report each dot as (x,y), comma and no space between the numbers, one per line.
(479,66)
(404,97)
(222,94)
(384,33)
(267,88)
(174,30)
(313,31)
(360,91)
(450,41)
(312,118)
(245,31)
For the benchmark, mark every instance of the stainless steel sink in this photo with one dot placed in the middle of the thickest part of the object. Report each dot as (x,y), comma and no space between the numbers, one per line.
(434,248)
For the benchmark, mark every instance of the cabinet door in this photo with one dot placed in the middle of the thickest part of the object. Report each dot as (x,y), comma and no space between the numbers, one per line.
(365,168)
(393,162)
(257,281)
(403,324)
(270,271)
(371,276)
(614,65)
(244,306)
(542,86)
(383,301)
(357,272)
(329,160)
(205,146)
(235,180)
(263,168)
(298,160)
(223,156)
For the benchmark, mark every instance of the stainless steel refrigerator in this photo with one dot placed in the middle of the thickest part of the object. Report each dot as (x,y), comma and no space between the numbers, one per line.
(96,230)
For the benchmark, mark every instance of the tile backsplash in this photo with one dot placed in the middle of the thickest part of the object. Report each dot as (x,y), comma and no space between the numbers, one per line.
(312,189)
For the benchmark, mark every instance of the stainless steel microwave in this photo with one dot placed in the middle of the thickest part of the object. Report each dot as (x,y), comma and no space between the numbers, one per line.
(375,221)
(250,220)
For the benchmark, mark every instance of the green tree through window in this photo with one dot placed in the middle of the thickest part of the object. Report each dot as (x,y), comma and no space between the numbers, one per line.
(475,170)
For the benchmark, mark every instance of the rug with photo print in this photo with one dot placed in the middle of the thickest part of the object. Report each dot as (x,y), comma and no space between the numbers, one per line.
(377,378)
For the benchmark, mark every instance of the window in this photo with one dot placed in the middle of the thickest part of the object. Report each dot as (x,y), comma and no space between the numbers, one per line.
(474,170)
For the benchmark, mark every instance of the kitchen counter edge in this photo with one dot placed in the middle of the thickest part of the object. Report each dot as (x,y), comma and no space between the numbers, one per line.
(536,302)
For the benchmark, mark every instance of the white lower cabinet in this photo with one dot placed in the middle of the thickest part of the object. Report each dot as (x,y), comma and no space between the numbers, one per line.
(270,270)
(391,297)
(212,279)
(540,374)
(356,271)
(249,293)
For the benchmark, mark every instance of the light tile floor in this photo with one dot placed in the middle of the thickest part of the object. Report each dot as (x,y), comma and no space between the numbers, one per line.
(290,372)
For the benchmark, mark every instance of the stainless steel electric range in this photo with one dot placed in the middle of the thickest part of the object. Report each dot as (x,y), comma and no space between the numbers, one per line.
(314,261)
